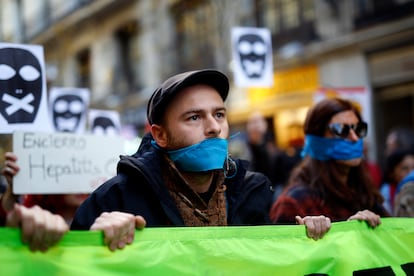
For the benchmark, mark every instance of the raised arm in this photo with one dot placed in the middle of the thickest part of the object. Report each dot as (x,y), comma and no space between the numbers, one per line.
(9,170)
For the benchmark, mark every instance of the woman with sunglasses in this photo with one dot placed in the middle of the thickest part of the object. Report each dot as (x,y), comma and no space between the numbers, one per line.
(331,180)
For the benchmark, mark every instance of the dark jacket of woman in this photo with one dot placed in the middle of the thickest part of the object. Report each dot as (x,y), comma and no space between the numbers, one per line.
(308,196)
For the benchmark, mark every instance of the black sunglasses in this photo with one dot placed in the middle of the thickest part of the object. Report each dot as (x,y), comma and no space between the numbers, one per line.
(342,130)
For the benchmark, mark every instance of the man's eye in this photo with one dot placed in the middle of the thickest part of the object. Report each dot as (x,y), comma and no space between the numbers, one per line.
(220,115)
(194,117)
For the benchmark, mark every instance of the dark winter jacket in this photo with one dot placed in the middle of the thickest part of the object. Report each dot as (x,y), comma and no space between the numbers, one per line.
(138,188)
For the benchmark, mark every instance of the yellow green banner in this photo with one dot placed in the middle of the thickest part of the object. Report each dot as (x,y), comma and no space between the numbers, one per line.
(349,248)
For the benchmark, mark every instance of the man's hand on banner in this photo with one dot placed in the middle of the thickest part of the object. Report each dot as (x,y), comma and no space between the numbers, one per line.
(118,227)
(316,226)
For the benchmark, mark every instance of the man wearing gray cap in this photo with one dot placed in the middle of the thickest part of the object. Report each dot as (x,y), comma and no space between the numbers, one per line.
(182,174)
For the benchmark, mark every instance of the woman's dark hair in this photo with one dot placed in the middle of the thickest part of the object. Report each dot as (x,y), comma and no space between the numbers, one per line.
(319,115)
(323,176)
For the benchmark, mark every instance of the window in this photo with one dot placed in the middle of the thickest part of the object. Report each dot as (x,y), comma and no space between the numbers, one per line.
(370,12)
(125,80)
(272,16)
(290,14)
(289,20)
(196,34)
(84,68)
(308,10)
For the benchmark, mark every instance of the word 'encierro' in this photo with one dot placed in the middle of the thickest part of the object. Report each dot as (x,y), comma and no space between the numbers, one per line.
(33,141)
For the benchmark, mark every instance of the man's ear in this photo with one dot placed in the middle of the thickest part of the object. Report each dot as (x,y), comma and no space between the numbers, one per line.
(159,134)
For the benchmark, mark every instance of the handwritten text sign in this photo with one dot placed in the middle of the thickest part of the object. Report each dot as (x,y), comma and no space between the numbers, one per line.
(60,163)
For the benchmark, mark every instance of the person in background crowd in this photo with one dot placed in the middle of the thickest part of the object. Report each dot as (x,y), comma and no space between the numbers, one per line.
(258,143)
(400,137)
(40,228)
(282,165)
(265,157)
(373,168)
(404,197)
(331,179)
(182,174)
(64,205)
(397,165)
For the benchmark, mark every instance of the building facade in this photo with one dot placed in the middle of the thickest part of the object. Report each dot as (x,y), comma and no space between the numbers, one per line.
(122,49)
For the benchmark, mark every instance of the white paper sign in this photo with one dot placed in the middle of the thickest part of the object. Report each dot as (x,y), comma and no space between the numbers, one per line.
(104,122)
(23,99)
(68,108)
(252,55)
(62,163)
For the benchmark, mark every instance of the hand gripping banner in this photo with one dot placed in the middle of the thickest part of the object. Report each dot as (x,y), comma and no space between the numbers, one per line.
(349,248)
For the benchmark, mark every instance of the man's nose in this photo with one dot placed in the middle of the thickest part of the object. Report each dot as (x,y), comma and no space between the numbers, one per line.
(213,127)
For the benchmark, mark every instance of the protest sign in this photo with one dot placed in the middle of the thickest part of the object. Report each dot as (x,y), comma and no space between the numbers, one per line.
(23,96)
(68,108)
(59,163)
(104,122)
(252,56)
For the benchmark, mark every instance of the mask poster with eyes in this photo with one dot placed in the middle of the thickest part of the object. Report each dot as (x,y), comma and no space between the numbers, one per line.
(104,122)
(23,99)
(252,55)
(68,108)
